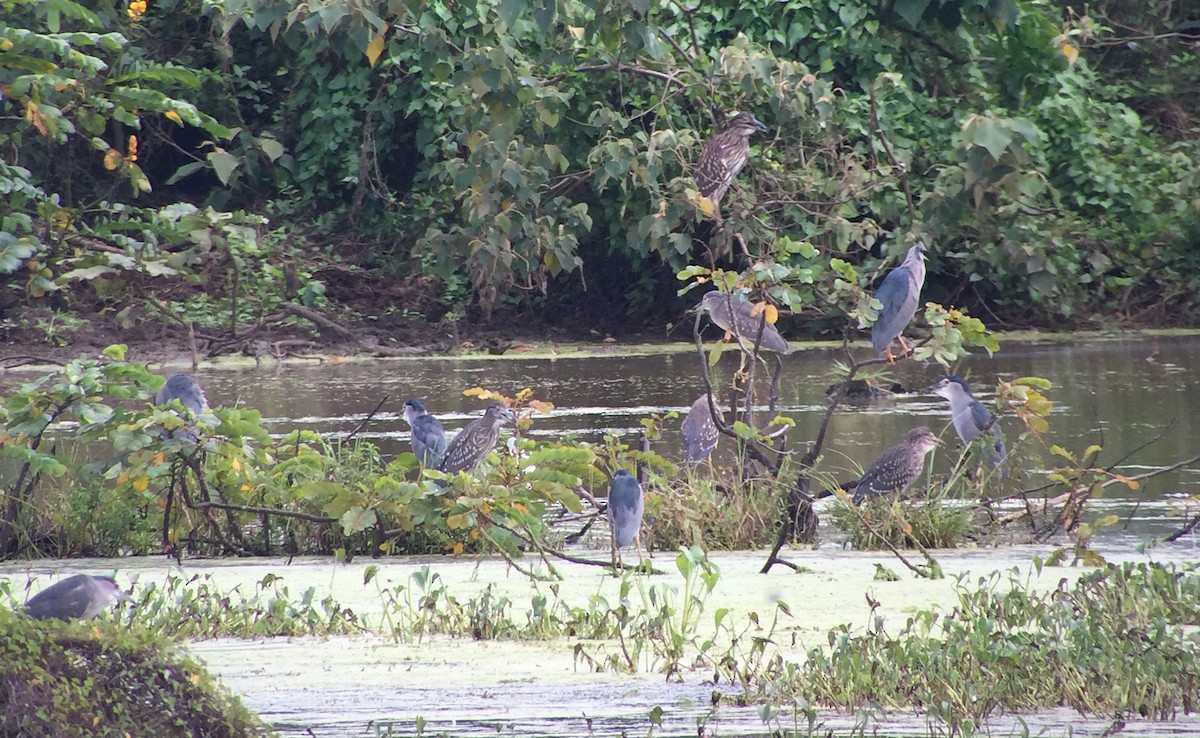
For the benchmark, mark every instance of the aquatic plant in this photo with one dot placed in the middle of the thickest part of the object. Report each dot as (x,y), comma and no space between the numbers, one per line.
(1119,641)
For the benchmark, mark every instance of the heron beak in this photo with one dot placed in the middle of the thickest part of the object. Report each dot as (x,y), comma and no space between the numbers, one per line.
(760,125)
(509,415)
(125,597)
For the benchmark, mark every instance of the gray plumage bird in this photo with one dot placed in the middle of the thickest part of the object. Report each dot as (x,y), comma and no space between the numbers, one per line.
(900,293)
(737,317)
(700,434)
(190,395)
(475,441)
(897,467)
(626,503)
(78,596)
(185,389)
(724,156)
(428,437)
(971,418)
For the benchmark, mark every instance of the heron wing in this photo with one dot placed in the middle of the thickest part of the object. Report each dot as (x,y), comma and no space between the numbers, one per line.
(899,307)
(65,599)
(429,440)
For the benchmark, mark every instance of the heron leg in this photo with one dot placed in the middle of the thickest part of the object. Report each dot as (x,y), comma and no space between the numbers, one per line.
(908,350)
(616,552)
(637,543)
(890,359)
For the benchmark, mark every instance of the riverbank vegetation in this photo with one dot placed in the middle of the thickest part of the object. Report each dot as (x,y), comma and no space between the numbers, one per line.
(63,680)
(252,176)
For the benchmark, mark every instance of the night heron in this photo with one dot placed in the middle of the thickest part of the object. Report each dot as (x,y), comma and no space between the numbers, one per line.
(724,156)
(475,441)
(428,436)
(188,393)
(900,293)
(971,418)
(78,596)
(700,433)
(737,317)
(625,507)
(897,467)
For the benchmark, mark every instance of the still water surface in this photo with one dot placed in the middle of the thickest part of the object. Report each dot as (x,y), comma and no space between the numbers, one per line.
(1116,393)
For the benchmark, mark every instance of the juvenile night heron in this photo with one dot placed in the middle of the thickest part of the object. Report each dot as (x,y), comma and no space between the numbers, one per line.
(700,433)
(724,156)
(738,318)
(900,293)
(971,418)
(897,467)
(78,596)
(428,436)
(475,441)
(190,395)
(626,503)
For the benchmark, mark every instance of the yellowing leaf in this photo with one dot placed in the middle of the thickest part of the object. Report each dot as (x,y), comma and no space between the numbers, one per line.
(123,477)
(766,308)
(35,118)
(159,459)
(5,44)
(706,205)
(1069,51)
(141,483)
(112,159)
(454,522)
(375,47)
(173,116)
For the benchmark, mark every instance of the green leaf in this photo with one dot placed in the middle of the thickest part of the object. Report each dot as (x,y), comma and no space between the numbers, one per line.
(224,164)
(911,10)
(509,10)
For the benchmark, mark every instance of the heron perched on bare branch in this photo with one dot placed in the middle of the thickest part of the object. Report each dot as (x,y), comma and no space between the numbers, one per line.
(740,318)
(900,293)
(724,156)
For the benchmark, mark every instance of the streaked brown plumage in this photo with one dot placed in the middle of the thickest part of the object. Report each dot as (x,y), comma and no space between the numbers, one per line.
(725,155)
(897,467)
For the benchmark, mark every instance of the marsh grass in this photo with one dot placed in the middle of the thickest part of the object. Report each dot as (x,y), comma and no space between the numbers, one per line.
(934,522)
(699,510)
(1121,641)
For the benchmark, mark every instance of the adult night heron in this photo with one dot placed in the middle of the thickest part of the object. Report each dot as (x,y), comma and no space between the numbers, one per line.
(738,318)
(78,596)
(900,293)
(428,436)
(475,441)
(190,395)
(897,467)
(700,433)
(626,503)
(971,418)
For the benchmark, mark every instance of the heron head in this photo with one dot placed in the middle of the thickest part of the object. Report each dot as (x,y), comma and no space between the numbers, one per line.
(949,387)
(747,122)
(414,409)
(112,591)
(500,414)
(922,439)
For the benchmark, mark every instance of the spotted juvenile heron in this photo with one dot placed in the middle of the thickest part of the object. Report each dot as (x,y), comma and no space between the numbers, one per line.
(724,156)
(971,418)
(900,293)
(626,503)
(78,596)
(897,467)
(188,393)
(477,439)
(428,436)
(700,434)
(737,317)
